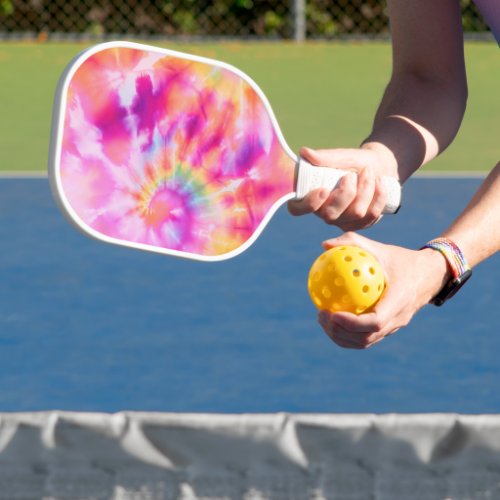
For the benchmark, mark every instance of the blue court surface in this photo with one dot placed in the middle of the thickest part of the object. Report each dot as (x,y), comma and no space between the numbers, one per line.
(86,326)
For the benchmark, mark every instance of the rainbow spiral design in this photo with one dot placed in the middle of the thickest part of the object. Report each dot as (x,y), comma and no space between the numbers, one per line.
(169,152)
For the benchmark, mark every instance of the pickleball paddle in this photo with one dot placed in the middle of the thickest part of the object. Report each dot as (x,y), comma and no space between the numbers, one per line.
(172,153)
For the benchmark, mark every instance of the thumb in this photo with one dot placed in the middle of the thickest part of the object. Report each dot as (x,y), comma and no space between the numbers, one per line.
(348,238)
(353,159)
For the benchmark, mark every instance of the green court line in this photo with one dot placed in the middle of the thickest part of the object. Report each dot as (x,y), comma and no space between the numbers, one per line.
(323,94)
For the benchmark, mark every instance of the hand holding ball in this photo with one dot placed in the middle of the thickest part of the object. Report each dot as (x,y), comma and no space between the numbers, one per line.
(346,278)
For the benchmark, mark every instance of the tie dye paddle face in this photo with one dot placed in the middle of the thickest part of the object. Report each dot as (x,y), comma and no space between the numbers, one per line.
(167,152)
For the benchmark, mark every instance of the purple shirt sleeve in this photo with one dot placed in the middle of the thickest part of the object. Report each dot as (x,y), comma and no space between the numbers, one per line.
(490,9)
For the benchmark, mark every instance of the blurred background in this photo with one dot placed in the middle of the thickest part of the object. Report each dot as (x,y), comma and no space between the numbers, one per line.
(283,19)
(339,68)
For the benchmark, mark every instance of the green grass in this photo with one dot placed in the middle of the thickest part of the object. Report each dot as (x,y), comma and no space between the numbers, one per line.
(323,94)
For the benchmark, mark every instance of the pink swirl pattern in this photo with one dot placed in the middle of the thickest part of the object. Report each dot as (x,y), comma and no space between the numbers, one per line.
(169,152)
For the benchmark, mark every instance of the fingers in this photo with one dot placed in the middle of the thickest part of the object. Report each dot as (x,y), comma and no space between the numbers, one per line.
(356,202)
(367,206)
(316,198)
(376,209)
(351,238)
(365,190)
(355,332)
(348,206)
(365,330)
(348,158)
(340,198)
(310,203)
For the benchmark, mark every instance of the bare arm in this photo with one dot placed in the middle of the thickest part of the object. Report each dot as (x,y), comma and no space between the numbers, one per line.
(477,230)
(419,115)
(424,102)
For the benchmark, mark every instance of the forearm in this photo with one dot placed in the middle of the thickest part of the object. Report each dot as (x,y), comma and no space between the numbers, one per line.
(477,230)
(416,121)
(424,102)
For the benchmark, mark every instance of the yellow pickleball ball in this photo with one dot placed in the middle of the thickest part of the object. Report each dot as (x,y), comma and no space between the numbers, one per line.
(346,278)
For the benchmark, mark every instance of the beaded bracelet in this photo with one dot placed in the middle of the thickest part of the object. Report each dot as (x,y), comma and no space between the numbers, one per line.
(452,254)
(459,267)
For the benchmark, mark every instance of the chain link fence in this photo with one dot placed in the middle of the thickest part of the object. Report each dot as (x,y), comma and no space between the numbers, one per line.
(286,19)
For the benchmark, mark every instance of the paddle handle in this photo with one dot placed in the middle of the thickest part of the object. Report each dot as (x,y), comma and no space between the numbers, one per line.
(309,177)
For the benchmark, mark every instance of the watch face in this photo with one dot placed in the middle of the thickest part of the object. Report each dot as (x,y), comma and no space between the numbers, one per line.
(451,288)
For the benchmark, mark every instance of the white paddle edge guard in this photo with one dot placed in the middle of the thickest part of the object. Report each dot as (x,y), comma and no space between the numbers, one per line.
(54,167)
(310,177)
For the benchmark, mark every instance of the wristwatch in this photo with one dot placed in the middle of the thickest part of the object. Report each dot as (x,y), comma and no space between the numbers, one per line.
(460,270)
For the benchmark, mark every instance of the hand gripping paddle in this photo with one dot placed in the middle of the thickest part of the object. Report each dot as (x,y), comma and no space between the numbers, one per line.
(172,153)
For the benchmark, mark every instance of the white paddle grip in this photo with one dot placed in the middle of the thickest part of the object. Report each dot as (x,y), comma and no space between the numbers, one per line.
(311,177)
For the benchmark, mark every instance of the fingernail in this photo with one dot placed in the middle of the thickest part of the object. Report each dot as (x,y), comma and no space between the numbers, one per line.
(305,151)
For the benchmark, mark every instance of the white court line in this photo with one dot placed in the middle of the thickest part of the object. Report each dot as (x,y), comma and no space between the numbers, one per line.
(23,175)
(453,174)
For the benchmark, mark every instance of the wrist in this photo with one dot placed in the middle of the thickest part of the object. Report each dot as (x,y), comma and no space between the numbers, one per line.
(388,165)
(437,273)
